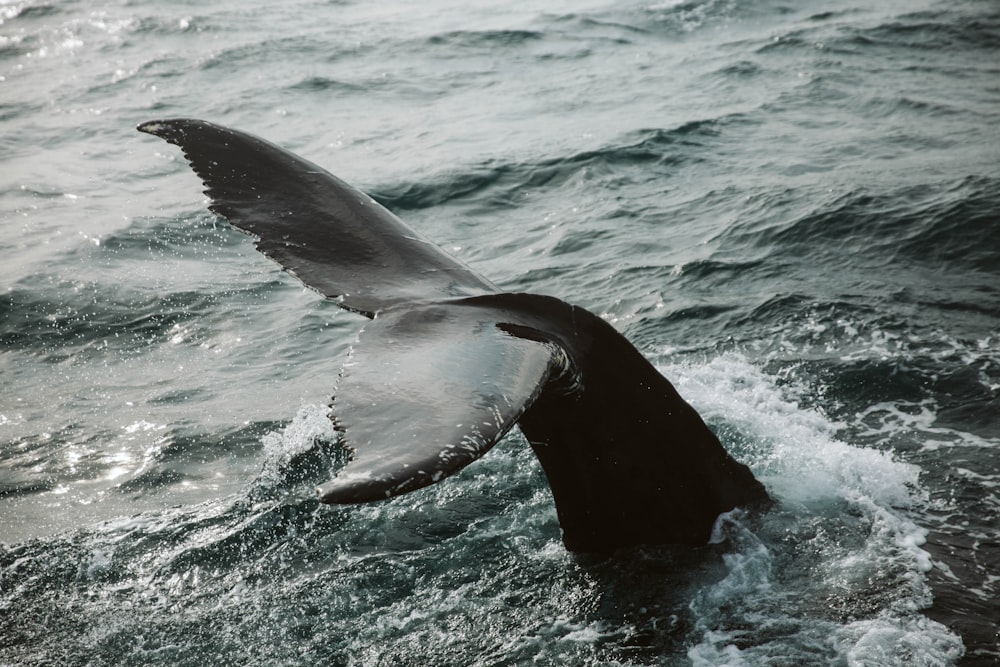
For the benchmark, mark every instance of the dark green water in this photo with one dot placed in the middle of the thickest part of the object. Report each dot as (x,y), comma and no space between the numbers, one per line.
(792,208)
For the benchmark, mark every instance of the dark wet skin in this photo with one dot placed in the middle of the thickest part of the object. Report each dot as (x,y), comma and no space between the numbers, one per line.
(450,363)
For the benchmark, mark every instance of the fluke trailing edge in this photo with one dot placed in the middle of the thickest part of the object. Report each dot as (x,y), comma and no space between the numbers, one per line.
(450,363)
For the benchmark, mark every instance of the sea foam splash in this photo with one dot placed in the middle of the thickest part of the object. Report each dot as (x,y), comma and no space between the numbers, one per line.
(835,573)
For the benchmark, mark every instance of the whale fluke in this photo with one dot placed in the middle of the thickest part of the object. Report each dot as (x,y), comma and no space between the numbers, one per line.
(449,363)
(331,236)
(427,390)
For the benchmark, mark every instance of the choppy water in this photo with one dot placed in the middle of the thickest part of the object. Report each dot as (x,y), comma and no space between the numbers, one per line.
(792,208)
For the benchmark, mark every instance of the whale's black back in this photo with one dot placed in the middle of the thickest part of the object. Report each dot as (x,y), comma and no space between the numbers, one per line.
(450,363)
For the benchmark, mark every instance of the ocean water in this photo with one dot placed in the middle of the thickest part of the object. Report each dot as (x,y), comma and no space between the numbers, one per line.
(793,208)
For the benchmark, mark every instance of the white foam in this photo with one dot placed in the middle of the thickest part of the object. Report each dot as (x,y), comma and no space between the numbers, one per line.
(910,641)
(311,423)
(846,533)
(795,450)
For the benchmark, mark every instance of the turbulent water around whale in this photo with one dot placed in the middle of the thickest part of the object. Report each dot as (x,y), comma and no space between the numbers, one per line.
(792,209)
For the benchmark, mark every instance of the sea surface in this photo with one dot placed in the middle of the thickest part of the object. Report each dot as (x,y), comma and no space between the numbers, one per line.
(792,208)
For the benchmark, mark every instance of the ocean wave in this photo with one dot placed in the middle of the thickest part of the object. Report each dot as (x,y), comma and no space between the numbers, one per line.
(27,11)
(314,84)
(944,31)
(79,317)
(949,226)
(485,39)
(637,151)
(941,30)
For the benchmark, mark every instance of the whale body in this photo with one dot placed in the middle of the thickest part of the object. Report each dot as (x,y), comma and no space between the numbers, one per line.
(450,363)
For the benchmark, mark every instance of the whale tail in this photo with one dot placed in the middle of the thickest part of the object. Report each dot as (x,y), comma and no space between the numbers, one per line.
(449,363)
